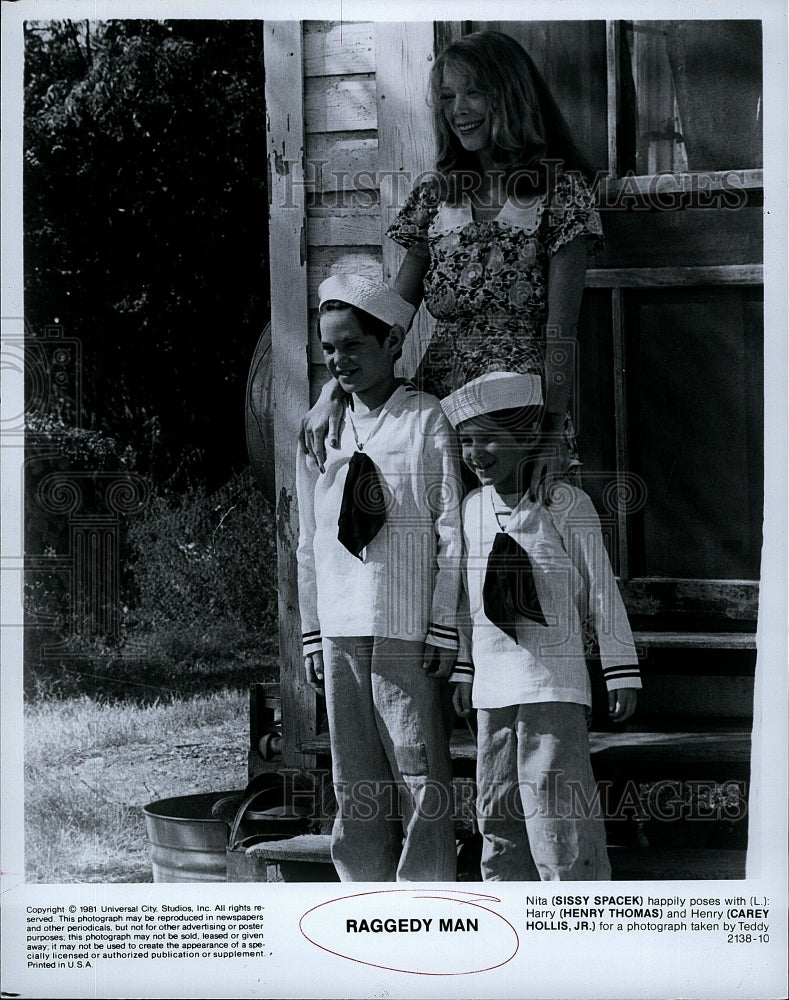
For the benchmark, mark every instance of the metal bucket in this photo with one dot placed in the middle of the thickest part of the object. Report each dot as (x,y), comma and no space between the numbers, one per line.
(192,836)
(188,844)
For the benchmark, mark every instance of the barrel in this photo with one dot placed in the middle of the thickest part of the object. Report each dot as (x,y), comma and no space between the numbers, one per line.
(259,417)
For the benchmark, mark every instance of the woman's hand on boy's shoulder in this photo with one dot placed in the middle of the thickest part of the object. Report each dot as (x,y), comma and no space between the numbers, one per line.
(323,421)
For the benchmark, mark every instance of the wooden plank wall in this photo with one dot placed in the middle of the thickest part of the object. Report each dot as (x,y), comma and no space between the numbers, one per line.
(325,218)
(341,162)
(365,118)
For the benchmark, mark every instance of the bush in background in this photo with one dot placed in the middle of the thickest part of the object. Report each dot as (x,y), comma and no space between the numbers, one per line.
(204,572)
(145,248)
(197,605)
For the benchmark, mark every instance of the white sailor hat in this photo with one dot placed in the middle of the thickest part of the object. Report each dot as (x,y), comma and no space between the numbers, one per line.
(491,392)
(372,297)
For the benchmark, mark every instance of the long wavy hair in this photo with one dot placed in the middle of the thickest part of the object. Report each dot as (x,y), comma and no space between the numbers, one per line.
(529,129)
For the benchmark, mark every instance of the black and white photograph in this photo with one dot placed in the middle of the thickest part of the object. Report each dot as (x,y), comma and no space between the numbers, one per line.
(395,492)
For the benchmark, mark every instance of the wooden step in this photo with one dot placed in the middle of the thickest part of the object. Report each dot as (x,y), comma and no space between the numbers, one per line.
(689,695)
(307,858)
(643,863)
(697,741)
(691,661)
(695,640)
(313,847)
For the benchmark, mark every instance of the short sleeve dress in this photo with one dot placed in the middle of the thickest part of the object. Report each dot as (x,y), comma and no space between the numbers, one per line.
(487,281)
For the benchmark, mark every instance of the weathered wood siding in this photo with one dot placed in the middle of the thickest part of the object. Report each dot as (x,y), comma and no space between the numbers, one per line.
(341,161)
(406,146)
(364,146)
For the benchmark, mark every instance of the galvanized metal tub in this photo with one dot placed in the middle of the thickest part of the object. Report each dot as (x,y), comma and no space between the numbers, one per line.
(187,843)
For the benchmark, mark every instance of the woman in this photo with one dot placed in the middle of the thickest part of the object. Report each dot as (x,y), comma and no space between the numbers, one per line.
(496,239)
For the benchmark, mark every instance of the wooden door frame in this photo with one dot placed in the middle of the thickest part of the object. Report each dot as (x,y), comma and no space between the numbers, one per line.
(290,368)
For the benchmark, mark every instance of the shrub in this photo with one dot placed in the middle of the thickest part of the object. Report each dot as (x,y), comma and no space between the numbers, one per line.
(145,194)
(84,461)
(203,569)
(197,607)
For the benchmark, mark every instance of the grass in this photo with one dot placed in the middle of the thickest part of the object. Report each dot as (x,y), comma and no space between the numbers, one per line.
(91,764)
(158,708)
(84,724)
(151,675)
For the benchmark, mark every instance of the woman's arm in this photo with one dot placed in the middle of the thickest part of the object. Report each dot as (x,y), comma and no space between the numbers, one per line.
(566,278)
(409,282)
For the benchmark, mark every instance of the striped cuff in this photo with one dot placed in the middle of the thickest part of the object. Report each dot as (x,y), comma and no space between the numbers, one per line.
(624,676)
(311,642)
(442,635)
(462,673)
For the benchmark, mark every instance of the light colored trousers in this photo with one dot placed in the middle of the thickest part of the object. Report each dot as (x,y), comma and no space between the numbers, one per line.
(390,763)
(536,795)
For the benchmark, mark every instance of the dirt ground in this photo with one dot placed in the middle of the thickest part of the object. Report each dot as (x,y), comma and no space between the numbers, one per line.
(207,758)
(204,759)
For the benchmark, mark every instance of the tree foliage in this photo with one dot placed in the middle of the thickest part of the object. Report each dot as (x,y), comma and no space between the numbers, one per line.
(145,226)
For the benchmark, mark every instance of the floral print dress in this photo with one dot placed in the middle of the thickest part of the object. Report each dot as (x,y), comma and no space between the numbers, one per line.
(487,281)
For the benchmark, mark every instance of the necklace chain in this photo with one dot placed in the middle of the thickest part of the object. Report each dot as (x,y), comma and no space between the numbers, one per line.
(499,514)
(359,444)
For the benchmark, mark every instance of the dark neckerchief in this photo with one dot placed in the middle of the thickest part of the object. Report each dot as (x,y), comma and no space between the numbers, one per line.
(509,592)
(363,504)
(363,507)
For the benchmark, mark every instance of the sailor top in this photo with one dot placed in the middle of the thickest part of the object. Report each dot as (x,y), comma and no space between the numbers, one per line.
(406,583)
(577,592)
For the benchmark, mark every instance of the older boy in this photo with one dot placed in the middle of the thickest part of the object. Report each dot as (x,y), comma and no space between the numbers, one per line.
(535,573)
(379,577)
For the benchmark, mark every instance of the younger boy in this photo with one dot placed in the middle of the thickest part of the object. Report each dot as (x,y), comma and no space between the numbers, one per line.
(379,577)
(535,573)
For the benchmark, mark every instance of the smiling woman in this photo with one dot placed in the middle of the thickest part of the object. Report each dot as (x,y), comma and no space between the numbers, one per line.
(496,238)
(467,111)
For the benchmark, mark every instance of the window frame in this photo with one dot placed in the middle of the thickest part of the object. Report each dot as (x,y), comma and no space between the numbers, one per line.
(724,599)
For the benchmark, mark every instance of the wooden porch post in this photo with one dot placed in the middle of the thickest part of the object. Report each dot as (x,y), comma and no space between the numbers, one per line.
(289,341)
